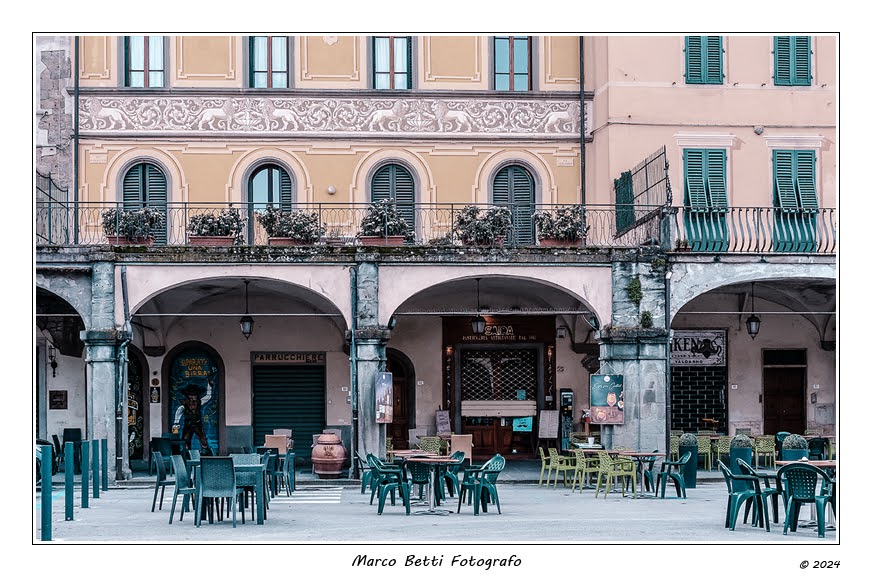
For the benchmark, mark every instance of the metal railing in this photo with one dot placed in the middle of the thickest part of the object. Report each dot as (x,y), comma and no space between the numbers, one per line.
(431,224)
(52,226)
(756,230)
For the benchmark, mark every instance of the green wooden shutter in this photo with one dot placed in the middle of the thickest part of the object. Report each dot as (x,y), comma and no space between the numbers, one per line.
(783,172)
(409,62)
(714,69)
(286,190)
(501,188)
(380,188)
(289,397)
(693,59)
(156,197)
(782,60)
(132,188)
(395,182)
(805,179)
(625,213)
(694,178)
(802,61)
(716,174)
(513,187)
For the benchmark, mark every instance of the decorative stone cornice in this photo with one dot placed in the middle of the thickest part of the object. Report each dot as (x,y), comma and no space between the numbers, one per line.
(704,140)
(794,141)
(139,115)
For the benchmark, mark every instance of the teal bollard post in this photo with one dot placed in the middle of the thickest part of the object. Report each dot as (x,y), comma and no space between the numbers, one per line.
(104,457)
(86,471)
(95,467)
(68,481)
(46,459)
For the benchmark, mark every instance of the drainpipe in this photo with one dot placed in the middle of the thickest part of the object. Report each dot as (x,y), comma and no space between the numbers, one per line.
(352,471)
(120,378)
(667,282)
(75,72)
(581,97)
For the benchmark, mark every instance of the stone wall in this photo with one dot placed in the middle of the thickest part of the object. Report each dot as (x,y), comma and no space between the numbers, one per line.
(54,109)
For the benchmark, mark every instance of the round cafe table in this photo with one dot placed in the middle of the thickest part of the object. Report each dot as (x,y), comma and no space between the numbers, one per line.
(434,462)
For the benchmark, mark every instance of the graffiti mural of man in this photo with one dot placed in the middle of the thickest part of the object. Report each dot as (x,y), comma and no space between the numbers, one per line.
(190,414)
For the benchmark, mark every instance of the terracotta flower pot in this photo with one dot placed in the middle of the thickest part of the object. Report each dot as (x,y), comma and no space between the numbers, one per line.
(123,240)
(382,240)
(204,240)
(286,241)
(328,456)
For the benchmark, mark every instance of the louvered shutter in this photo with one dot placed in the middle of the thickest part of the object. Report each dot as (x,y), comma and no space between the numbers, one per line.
(694,179)
(714,73)
(286,190)
(716,172)
(132,188)
(156,197)
(783,171)
(381,184)
(409,62)
(404,194)
(501,188)
(513,187)
(625,213)
(782,61)
(805,179)
(693,59)
(801,61)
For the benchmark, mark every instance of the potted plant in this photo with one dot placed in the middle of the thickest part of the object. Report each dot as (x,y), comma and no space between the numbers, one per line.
(290,227)
(222,229)
(131,226)
(382,225)
(687,444)
(476,226)
(560,227)
(794,448)
(741,447)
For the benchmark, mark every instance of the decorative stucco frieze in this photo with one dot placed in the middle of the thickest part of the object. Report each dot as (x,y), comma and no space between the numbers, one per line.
(424,117)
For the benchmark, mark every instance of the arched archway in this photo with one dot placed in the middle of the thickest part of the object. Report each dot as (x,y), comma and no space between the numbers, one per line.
(404,397)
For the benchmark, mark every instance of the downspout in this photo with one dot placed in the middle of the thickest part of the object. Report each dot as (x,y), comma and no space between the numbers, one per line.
(667,282)
(352,471)
(76,141)
(581,97)
(120,378)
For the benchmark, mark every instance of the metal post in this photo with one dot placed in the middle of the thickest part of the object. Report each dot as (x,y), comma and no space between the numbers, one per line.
(95,467)
(355,423)
(86,471)
(46,460)
(104,456)
(68,480)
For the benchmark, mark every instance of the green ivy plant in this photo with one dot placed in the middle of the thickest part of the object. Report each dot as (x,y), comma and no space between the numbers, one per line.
(296,224)
(634,290)
(647,320)
(136,224)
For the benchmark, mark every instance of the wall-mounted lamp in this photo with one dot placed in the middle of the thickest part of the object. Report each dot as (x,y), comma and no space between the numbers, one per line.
(331,190)
(478,323)
(753,321)
(246,323)
(53,360)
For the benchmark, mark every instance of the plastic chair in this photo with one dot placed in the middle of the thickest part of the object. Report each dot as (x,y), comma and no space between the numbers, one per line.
(289,433)
(584,467)
(451,475)
(560,463)
(704,449)
(764,445)
(798,482)
(288,474)
(672,470)
(546,465)
(779,439)
(161,482)
(763,491)
(418,473)
(57,448)
(184,486)
(736,495)
(818,448)
(161,446)
(217,480)
(479,484)
(648,478)
(247,480)
(673,446)
(193,455)
(278,442)
(389,479)
(721,447)
(612,469)
(462,444)
(365,472)
(431,445)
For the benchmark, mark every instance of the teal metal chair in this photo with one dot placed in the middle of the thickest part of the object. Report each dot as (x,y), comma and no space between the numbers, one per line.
(763,489)
(672,471)
(799,484)
(737,494)
(479,484)
(366,475)
(247,480)
(450,477)
(288,474)
(217,480)
(161,482)
(818,449)
(184,486)
(389,479)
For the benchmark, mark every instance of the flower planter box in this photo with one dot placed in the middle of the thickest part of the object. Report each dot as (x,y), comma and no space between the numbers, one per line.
(123,240)
(286,241)
(689,469)
(382,240)
(559,242)
(202,240)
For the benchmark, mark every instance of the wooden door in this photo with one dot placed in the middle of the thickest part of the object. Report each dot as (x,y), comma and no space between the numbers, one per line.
(398,430)
(783,400)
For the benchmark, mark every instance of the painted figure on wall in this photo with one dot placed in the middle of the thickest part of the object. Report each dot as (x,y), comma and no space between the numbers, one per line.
(194,407)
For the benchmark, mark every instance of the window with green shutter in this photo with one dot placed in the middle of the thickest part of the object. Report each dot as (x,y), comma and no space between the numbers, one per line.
(392,62)
(792,60)
(145,186)
(269,185)
(394,181)
(705,199)
(704,60)
(795,200)
(625,213)
(513,186)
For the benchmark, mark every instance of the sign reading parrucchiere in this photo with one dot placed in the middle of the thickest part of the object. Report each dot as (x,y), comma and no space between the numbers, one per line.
(289,358)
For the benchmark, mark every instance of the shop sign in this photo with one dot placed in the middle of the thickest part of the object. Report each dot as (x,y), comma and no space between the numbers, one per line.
(607,399)
(289,358)
(698,348)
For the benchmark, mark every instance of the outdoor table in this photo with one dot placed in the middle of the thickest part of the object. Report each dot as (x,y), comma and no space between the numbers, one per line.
(434,461)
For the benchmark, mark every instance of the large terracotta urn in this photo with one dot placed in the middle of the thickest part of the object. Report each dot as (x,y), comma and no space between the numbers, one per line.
(328,456)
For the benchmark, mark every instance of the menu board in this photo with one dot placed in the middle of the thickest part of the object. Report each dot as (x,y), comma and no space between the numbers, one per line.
(607,399)
(548,424)
(443,423)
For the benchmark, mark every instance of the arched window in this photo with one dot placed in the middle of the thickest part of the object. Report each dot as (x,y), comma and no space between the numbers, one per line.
(513,187)
(269,185)
(145,185)
(395,181)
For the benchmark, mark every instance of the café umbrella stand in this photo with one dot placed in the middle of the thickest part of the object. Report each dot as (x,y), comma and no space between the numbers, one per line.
(328,456)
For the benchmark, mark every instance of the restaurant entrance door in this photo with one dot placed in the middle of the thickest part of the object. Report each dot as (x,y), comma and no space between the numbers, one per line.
(403,376)
(784,375)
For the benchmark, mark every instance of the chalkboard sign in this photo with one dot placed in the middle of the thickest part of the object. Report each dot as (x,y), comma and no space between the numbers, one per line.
(607,399)
(548,424)
(443,423)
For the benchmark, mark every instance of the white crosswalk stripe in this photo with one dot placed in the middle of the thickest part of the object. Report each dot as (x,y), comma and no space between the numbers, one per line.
(311,495)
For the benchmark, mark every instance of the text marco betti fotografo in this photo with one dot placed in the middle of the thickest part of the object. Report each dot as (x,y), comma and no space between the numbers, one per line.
(437,561)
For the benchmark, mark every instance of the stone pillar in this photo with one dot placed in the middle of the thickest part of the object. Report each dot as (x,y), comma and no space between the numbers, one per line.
(371,436)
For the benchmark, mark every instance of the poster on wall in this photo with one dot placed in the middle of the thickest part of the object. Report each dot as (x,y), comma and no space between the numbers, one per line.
(384,398)
(194,401)
(700,348)
(607,399)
